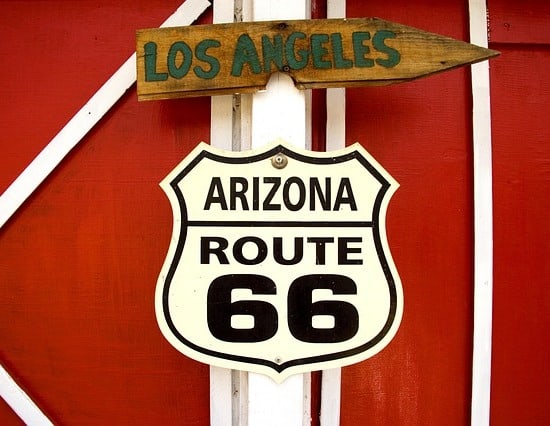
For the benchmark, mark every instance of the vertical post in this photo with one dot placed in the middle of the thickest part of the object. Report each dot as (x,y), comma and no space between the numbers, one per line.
(279,112)
(483,223)
(331,381)
(227,390)
(250,121)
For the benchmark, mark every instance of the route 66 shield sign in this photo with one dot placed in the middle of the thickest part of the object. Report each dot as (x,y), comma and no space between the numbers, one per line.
(279,261)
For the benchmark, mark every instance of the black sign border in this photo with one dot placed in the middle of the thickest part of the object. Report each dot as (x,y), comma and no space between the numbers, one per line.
(280,149)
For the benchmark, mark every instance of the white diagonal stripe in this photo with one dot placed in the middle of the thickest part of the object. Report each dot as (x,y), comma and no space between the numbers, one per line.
(84,120)
(48,159)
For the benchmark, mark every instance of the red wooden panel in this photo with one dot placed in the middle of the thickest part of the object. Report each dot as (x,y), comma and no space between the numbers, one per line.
(520,95)
(519,22)
(7,416)
(80,260)
(421,132)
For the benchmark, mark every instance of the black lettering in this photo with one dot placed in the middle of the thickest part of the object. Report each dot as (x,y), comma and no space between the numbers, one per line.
(278,251)
(261,247)
(323,197)
(301,193)
(276,182)
(344,250)
(238,193)
(215,188)
(207,250)
(320,248)
(255,193)
(345,186)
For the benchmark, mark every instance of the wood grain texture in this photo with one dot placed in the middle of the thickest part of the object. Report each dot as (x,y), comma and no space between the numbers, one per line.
(240,58)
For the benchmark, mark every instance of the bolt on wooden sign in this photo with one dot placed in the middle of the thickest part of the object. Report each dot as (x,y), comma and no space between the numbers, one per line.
(240,57)
(279,261)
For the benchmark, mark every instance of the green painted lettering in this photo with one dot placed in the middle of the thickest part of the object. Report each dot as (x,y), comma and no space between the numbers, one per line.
(177,49)
(296,59)
(272,52)
(319,51)
(360,50)
(245,53)
(151,73)
(394,57)
(202,55)
(338,52)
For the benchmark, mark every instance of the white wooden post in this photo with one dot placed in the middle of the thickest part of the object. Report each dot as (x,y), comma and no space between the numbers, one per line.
(282,111)
(335,139)
(483,222)
(230,130)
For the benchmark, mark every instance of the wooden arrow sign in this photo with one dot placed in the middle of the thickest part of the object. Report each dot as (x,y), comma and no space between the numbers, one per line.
(240,57)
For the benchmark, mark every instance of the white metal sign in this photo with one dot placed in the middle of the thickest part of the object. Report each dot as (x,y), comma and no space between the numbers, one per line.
(279,261)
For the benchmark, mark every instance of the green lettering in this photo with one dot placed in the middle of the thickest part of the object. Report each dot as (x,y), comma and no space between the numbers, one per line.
(151,73)
(272,52)
(179,47)
(300,61)
(394,57)
(202,55)
(245,53)
(360,50)
(319,51)
(338,52)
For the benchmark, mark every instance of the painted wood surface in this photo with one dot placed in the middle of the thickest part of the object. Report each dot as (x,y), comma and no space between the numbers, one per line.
(483,223)
(524,22)
(421,132)
(520,93)
(78,331)
(79,261)
(268,402)
(240,57)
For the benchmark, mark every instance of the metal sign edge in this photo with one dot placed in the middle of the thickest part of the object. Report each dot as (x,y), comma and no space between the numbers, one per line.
(278,372)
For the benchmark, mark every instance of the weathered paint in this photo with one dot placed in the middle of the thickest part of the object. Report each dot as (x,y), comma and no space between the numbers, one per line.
(240,57)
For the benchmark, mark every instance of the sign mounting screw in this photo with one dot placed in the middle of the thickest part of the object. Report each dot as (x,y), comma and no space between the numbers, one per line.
(279,161)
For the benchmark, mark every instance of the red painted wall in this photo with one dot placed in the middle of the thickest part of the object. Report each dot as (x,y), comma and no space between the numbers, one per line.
(520,91)
(80,260)
(420,131)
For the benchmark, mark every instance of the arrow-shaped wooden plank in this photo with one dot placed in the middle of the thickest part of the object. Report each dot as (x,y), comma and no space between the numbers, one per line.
(240,57)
